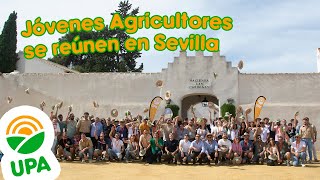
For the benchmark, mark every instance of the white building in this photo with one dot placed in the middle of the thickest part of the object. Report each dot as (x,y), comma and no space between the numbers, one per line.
(189,78)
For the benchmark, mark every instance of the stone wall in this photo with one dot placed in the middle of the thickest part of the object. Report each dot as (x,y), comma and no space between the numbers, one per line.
(285,93)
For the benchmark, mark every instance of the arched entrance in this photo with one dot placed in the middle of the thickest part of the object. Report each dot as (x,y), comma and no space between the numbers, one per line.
(195,100)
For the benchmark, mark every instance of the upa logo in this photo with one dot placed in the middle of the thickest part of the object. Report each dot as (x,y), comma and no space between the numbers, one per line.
(26,138)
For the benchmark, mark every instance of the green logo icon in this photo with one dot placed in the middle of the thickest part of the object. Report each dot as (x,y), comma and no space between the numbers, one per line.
(25,134)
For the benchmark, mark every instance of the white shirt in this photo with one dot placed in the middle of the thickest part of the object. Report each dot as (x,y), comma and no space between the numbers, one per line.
(298,148)
(226,143)
(116,145)
(264,134)
(56,129)
(184,145)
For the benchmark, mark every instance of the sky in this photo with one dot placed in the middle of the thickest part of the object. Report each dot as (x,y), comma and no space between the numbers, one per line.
(270,36)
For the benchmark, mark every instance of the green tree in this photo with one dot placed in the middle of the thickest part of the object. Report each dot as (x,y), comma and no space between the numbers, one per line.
(122,61)
(8,45)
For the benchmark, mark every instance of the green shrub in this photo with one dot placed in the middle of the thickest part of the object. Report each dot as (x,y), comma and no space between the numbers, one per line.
(175,109)
(228,107)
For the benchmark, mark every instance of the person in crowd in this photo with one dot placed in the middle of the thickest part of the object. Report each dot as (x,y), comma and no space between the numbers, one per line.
(242,130)
(95,130)
(133,128)
(71,125)
(184,145)
(132,149)
(279,129)
(263,131)
(83,126)
(117,146)
(202,130)
(197,150)
(85,147)
(191,127)
(259,150)
(62,125)
(106,130)
(291,132)
(122,130)
(101,152)
(57,132)
(224,148)
(233,131)
(144,125)
(65,147)
(180,131)
(307,136)
(211,149)
(298,150)
(156,146)
(171,148)
(167,129)
(284,151)
(272,149)
(236,150)
(247,149)
(144,144)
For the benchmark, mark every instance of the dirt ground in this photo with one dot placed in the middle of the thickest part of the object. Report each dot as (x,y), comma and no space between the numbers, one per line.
(114,170)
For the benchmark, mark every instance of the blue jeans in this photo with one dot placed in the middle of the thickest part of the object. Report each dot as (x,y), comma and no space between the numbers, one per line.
(114,155)
(309,146)
(90,151)
(302,156)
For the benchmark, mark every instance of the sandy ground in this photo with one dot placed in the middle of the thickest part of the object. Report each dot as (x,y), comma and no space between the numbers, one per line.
(110,171)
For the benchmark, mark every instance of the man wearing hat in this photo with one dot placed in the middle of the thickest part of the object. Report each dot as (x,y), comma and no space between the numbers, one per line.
(298,150)
(211,147)
(144,125)
(247,148)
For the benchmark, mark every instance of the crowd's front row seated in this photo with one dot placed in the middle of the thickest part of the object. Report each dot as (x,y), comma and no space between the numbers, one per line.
(153,149)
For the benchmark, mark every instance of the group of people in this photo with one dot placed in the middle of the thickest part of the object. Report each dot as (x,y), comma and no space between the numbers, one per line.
(224,140)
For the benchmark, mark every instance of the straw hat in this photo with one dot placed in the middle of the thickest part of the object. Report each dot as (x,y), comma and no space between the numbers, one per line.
(240,64)
(128,113)
(242,117)
(114,113)
(159,83)
(142,152)
(273,157)
(9,99)
(227,115)
(239,109)
(248,111)
(59,105)
(95,104)
(237,160)
(70,108)
(168,95)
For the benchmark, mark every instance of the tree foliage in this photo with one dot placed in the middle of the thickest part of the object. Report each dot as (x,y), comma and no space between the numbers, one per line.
(122,61)
(8,45)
